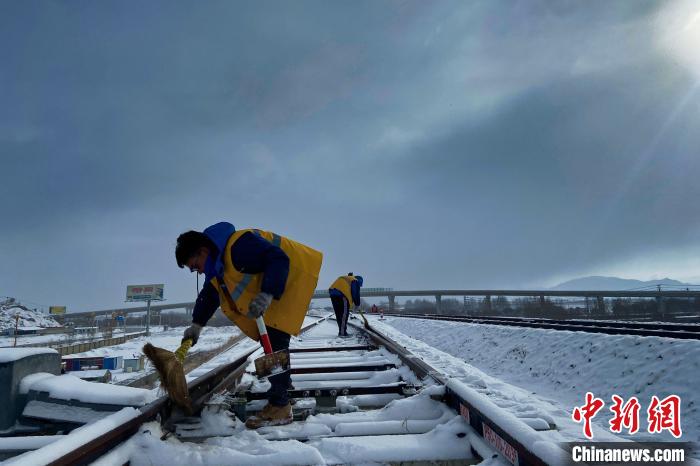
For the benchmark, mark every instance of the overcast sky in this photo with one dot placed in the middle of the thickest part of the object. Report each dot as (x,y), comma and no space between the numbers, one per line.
(463,144)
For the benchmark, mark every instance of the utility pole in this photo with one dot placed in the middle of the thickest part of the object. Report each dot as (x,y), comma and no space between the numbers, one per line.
(16,327)
(148,318)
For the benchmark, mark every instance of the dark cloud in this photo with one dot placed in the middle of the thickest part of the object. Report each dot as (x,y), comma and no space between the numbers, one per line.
(567,176)
(425,144)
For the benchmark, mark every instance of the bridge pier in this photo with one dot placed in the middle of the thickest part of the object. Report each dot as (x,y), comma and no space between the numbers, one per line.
(392,300)
(660,309)
(438,304)
(601,304)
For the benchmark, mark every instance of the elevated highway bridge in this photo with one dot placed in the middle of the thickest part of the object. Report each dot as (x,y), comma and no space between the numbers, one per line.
(390,294)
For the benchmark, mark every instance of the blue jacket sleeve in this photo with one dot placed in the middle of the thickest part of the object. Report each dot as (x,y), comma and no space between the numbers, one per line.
(254,254)
(355,292)
(206,305)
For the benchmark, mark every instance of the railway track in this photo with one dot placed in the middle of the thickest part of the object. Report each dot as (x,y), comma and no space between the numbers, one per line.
(682,331)
(366,395)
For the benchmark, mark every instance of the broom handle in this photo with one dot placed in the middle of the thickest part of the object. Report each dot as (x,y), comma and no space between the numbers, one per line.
(181,352)
(264,338)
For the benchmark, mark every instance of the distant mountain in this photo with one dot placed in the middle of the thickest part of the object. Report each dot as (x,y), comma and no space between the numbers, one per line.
(615,284)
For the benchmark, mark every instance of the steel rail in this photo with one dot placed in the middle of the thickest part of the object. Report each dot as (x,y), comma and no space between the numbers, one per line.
(613,328)
(162,406)
(596,322)
(227,376)
(201,389)
(476,419)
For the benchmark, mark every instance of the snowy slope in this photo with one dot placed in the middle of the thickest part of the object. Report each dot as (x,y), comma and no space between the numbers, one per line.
(9,308)
(562,366)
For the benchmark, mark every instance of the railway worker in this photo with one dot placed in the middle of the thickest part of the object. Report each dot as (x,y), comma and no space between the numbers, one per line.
(343,291)
(251,273)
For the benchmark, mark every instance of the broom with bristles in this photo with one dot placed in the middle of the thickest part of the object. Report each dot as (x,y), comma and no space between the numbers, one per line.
(171,372)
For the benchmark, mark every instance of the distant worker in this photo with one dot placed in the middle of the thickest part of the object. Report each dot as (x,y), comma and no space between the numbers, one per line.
(343,291)
(251,273)
(374,309)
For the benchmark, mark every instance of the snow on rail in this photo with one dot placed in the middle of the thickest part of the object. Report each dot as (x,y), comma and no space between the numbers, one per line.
(74,440)
(68,387)
(363,428)
(553,370)
(406,429)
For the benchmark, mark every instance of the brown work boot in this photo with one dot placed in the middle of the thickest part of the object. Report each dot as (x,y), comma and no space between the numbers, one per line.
(271,415)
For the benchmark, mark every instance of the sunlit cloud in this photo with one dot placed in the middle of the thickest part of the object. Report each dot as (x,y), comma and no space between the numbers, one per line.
(678,32)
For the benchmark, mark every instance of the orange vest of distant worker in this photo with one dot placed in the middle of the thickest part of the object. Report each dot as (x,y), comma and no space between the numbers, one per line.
(286,314)
(342,284)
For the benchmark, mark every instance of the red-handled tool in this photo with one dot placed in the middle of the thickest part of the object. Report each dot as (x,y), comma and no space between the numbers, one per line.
(264,337)
(273,362)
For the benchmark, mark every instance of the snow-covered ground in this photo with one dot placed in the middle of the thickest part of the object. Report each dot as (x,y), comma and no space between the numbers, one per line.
(407,429)
(553,370)
(60,338)
(211,338)
(247,447)
(534,375)
(170,339)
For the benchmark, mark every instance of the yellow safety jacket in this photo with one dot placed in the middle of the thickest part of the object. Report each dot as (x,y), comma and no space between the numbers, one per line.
(286,314)
(342,284)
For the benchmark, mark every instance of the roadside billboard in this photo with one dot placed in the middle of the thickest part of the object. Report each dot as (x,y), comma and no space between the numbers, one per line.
(57,310)
(144,292)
